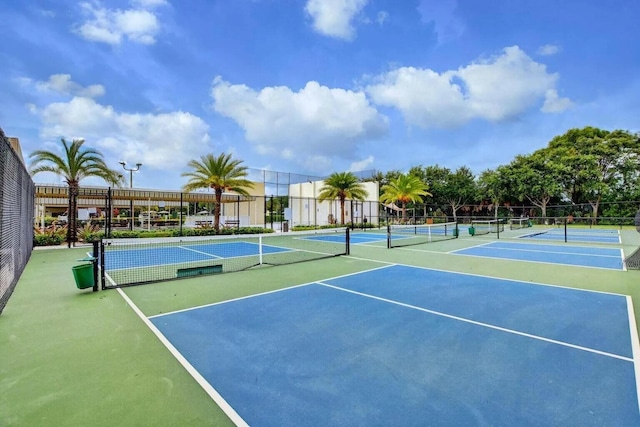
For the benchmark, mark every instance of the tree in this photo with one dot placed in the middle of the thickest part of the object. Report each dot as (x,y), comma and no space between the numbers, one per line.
(404,189)
(342,186)
(493,185)
(76,164)
(220,173)
(536,177)
(454,189)
(597,159)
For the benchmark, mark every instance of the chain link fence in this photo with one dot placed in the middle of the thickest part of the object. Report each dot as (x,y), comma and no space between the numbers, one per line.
(16,218)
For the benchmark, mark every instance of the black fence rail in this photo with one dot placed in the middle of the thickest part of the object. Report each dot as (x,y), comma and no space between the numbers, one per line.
(16,218)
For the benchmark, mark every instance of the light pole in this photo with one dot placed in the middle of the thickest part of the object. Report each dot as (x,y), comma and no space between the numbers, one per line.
(131,171)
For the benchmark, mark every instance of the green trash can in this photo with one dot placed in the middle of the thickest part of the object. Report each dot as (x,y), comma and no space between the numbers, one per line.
(83,274)
(472,230)
(455,232)
(530,223)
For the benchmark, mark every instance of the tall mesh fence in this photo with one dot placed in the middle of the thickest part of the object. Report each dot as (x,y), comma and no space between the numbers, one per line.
(16,218)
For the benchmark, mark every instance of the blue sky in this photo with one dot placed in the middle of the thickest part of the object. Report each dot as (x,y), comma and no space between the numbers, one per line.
(315,86)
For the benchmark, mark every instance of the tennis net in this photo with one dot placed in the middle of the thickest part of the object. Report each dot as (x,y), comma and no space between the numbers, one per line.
(518,223)
(486,226)
(135,261)
(406,235)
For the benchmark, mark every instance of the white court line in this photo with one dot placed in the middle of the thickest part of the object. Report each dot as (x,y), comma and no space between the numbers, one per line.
(208,388)
(470,247)
(548,252)
(635,344)
(268,292)
(537,262)
(474,322)
(200,252)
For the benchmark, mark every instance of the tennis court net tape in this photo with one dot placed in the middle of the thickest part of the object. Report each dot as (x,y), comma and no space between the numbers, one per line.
(135,261)
(406,235)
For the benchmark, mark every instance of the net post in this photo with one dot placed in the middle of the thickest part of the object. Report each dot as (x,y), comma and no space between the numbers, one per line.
(389,236)
(498,229)
(102,265)
(95,254)
(565,229)
(260,249)
(456,229)
(348,241)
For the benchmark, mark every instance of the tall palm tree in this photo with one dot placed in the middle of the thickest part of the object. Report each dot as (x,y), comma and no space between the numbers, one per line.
(221,174)
(342,186)
(404,189)
(76,164)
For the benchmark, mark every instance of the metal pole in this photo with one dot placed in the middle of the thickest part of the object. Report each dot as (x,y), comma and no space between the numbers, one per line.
(131,170)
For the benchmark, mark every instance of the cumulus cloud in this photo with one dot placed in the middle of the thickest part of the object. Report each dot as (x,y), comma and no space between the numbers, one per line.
(361,165)
(494,89)
(548,50)
(553,103)
(112,25)
(163,141)
(310,126)
(62,84)
(334,18)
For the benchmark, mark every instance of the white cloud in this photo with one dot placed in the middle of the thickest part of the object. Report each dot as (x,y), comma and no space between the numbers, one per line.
(334,18)
(493,89)
(553,103)
(62,84)
(161,141)
(310,126)
(548,50)
(111,26)
(362,165)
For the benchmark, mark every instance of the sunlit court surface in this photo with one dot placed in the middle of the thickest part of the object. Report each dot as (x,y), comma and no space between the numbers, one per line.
(399,339)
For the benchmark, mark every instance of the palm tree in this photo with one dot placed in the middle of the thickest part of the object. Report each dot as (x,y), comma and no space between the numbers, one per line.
(219,173)
(404,189)
(342,186)
(76,164)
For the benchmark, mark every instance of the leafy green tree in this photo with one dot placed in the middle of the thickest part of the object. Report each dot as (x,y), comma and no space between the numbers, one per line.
(74,165)
(494,185)
(454,189)
(537,178)
(404,189)
(596,160)
(221,174)
(342,186)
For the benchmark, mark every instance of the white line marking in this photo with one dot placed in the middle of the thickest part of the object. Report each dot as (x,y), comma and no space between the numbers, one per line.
(547,252)
(200,252)
(471,247)
(208,388)
(635,344)
(265,293)
(537,262)
(486,325)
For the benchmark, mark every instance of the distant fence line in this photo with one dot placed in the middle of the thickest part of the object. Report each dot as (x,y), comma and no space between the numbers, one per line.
(16,218)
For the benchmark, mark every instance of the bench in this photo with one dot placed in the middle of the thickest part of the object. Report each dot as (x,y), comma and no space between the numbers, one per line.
(232,223)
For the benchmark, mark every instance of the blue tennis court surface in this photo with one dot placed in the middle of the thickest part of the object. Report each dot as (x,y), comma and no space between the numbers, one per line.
(153,256)
(410,346)
(583,256)
(586,235)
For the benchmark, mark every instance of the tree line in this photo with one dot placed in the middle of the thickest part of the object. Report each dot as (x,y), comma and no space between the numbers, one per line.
(588,166)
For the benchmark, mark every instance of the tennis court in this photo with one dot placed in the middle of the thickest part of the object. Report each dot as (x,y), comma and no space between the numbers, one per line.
(583,256)
(401,345)
(379,337)
(583,235)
